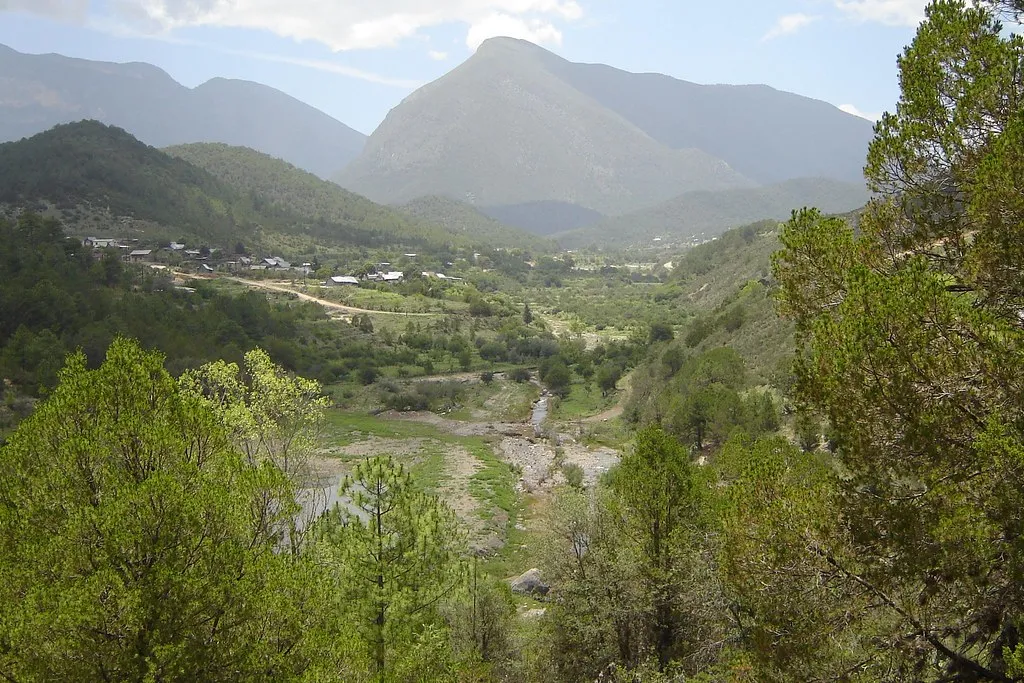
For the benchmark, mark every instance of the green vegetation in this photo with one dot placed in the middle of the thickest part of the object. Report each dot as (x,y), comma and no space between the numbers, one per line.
(853,515)
(335,214)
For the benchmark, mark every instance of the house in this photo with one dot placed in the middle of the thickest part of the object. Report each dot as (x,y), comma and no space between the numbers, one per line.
(205,268)
(176,246)
(192,253)
(276,262)
(101,242)
(392,276)
(409,255)
(336,280)
(137,255)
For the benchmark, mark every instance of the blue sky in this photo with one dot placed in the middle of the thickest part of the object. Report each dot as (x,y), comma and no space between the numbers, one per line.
(355,59)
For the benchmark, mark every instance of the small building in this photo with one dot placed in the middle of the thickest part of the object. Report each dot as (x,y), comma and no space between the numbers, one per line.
(205,268)
(101,242)
(176,246)
(276,262)
(337,280)
(392,276)
(137,255)
(192,253)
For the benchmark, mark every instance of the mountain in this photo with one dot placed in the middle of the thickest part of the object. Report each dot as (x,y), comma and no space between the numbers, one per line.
(766,134)
(704,215)
(545,217)
(516,124)
(462,219)
(38,92)
(502,128)
(98,176)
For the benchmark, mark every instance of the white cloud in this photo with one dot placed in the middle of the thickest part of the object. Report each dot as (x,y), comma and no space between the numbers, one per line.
(437,55)
(354,24)
(534,30)
(850,109)
(890,12)
(68,10)
(790,23)
(122,30)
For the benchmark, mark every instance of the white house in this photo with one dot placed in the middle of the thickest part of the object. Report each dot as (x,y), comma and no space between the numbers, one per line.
(392,276)
(335,280)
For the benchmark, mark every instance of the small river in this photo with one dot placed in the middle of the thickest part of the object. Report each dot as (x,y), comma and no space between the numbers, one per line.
(540,413)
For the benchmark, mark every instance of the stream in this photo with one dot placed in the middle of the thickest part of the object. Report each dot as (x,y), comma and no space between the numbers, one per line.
(540,413)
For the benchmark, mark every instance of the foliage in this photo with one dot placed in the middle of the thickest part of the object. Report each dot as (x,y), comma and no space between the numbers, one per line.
(910,337)
(136,542)
(396,551)
(632,568)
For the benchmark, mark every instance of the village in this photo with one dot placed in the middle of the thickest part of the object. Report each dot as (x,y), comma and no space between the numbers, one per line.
(209,261)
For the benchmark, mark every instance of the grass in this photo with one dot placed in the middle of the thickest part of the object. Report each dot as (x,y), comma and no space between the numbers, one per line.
(492,486)
(582,403)
(494,483)
(343,428)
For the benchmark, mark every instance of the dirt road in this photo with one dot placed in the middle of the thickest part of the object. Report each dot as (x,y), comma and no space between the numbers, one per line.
(323,302)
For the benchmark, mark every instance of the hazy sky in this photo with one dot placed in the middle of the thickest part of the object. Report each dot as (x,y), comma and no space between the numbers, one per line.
(355,59)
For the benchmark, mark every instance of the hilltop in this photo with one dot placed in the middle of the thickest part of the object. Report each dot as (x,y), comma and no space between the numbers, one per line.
(41,91)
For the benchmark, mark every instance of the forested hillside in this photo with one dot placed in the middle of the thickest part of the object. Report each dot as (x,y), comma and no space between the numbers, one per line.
(93,172)
(57,297)
(276,183)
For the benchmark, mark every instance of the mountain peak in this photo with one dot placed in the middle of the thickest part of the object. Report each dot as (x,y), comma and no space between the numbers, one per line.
(506,45)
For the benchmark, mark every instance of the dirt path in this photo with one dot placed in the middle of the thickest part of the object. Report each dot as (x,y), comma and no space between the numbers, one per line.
(616,410)
(323,302)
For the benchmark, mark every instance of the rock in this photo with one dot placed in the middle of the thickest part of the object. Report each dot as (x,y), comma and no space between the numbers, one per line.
(530,583)
(534,613)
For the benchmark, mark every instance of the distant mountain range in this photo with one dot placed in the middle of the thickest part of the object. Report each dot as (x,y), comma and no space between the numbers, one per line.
(703,215)
(517,125)
(515,134)
(38,92)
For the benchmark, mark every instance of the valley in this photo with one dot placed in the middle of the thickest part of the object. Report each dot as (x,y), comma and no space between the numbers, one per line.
(563,374)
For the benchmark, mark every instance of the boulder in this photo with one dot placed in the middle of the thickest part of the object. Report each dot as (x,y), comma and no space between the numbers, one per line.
(530,583)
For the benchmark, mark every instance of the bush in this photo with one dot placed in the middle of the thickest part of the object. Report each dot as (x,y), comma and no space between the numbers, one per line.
(573,475)
(486,377)
(520,375)
(367,374)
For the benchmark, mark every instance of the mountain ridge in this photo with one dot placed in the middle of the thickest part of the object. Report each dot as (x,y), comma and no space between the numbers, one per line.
(41,91)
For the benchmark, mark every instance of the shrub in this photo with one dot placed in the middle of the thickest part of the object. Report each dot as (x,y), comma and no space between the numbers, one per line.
(573,475)
(520,375)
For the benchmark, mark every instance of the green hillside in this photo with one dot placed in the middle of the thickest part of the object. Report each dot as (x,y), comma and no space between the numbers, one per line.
(459,218)
(273,182)
(89,166)
(703,215)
